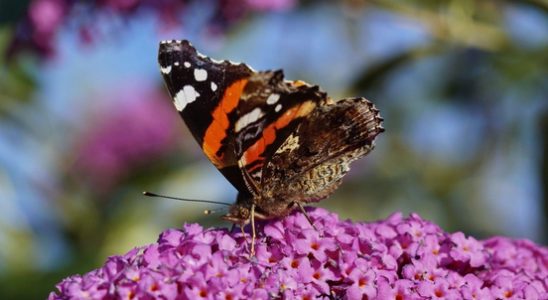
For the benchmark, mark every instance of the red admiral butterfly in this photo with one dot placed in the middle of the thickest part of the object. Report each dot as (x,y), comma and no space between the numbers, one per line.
(281,143)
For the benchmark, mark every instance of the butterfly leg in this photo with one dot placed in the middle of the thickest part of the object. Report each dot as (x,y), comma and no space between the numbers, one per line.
(242,230)
(306,215)
(253,233)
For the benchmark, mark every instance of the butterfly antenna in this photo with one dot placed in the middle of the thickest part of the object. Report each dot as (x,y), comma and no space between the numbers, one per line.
(149,194)
(214,211)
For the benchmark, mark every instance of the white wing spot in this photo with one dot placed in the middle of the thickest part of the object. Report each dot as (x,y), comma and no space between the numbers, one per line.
(165,70)
(248,118)
(185,96)
(290,144)
(257,174)
(200,74)
(176,63)
(213,86)
(278,107)
(187,64)
(272,99)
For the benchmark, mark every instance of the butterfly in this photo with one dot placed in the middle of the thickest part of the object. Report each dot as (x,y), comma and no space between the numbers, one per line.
(282,144)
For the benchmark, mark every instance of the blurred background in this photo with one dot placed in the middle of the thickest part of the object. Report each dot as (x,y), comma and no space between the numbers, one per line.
(86,124)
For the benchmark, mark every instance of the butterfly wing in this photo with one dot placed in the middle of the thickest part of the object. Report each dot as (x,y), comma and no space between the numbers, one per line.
(238,116)
(311,162)
(205,94)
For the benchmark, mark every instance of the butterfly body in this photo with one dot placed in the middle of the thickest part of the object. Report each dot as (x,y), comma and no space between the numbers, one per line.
(280,143)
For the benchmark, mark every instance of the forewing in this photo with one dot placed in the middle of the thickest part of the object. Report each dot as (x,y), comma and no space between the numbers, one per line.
(206,93)
(312,161)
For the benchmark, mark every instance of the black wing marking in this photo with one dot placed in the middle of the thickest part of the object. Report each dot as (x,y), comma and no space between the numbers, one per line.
(182,65)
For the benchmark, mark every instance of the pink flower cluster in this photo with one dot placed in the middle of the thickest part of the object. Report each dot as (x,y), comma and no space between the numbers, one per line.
(397,258)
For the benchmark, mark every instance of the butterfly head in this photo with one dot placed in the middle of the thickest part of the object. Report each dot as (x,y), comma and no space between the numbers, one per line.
(238,214)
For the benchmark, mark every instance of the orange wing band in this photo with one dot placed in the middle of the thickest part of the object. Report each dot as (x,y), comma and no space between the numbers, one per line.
(254,152)
(217,131)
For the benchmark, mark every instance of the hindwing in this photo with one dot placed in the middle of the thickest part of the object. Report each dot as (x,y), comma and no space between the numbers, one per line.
(310,163)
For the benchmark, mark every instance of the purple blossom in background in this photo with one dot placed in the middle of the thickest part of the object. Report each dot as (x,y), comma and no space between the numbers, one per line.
(271,4)
(45,17)
(138,129)
(396,258)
